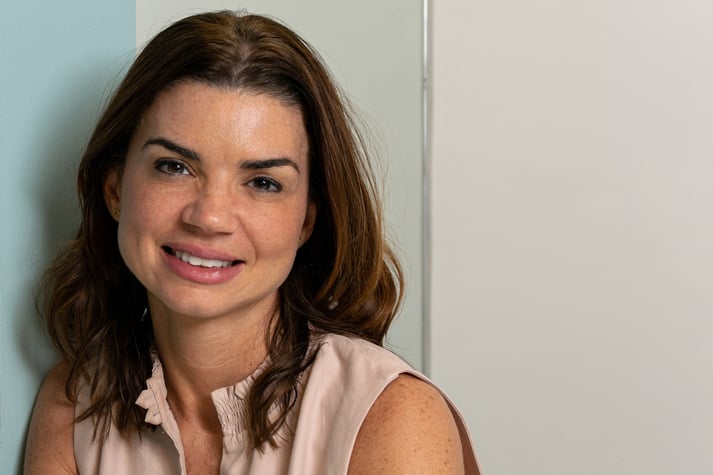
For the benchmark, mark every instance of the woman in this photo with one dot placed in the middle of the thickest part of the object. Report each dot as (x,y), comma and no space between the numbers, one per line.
(223,305)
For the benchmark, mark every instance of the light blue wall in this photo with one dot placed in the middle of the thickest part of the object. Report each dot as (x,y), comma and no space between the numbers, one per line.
(57,61)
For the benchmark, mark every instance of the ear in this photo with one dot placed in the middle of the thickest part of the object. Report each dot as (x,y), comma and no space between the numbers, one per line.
(112,192)
(308,224)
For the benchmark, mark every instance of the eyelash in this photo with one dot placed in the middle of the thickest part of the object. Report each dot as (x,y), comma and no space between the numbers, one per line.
(261,181)
(163,167)
(261,184)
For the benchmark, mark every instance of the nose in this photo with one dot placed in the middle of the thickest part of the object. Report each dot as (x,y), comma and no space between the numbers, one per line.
(212,211)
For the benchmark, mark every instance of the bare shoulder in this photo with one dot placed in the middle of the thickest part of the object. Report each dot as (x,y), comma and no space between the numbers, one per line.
(409,429)
(50,445)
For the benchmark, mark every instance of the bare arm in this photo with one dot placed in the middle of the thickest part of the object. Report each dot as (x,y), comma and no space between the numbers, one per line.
(409,429)
(50,445)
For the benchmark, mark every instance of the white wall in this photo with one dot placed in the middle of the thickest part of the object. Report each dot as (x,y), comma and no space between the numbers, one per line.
(572,286)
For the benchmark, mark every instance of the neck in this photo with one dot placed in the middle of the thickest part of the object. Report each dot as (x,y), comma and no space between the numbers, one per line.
(202,355)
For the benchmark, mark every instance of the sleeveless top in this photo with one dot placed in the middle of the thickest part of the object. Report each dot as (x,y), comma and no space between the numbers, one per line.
(334,396)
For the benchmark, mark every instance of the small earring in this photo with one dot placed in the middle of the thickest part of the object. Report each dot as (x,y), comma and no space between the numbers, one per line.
(116,212)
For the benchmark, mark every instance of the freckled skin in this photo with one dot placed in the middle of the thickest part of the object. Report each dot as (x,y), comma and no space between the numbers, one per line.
(50,447)
(213,203)
(409,429)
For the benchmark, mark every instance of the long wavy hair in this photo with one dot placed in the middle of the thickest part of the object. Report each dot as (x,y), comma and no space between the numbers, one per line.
(345,279)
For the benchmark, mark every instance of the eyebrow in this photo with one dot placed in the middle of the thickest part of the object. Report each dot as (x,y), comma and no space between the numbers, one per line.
(269,163)
(245,165)
(174,147)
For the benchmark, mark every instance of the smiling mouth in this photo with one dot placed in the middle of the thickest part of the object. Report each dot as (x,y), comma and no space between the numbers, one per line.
(199,261)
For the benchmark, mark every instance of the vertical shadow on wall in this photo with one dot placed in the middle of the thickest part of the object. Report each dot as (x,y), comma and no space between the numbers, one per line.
(51,190)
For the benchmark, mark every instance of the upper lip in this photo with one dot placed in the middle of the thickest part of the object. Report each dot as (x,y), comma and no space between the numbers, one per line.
(202,252)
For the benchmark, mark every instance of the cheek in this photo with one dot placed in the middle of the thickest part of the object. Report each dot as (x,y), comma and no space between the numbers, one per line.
(295,221)
(140,215)
(278,232)
(146,203)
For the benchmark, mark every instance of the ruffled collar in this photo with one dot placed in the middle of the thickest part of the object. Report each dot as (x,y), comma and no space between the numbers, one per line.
(228,401)
(154,396)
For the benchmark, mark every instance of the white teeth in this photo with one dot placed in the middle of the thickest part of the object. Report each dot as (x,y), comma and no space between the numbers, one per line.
(198,261)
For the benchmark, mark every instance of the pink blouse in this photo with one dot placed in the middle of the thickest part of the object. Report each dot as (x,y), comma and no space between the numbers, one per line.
(335,395)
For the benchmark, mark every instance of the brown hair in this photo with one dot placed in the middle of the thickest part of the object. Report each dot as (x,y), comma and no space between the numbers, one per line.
(345,279)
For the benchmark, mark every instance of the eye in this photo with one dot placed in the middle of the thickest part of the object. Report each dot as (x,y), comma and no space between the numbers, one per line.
(172,167)
(264,184)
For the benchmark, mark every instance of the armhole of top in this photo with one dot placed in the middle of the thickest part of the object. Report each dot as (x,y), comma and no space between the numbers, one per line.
(470,461)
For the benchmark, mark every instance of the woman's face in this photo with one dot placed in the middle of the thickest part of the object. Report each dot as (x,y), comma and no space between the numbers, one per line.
(213,200)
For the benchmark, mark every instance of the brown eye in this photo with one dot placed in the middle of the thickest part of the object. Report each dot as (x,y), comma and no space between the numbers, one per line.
(267,185)
(172,167)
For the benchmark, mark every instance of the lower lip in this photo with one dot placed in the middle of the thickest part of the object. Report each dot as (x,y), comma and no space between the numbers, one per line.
(201,275)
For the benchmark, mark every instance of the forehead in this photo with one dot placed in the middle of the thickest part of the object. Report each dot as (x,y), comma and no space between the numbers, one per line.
(207,116)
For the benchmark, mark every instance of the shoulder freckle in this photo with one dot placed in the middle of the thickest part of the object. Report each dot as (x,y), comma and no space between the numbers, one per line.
(49,447)
(409,427)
